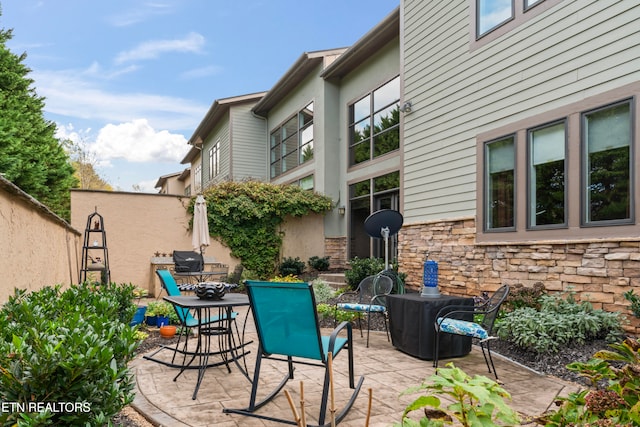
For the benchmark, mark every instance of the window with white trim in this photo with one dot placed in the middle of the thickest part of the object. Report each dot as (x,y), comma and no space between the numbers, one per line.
(197,178)
(214,160)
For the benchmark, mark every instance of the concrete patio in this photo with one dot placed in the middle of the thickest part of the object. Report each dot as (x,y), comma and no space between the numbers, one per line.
(388,372)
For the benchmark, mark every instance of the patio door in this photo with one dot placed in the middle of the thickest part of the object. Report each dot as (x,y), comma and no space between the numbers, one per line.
(386,201)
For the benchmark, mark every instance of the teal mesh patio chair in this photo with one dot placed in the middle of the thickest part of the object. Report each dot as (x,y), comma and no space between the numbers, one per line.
(286,322)
(456,320)
(187,321)
(369,298)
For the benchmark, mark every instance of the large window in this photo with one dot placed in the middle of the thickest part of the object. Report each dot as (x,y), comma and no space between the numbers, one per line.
(500,178)
(573,173)
(607,166)
(374,123)
(292,143)
(546,159)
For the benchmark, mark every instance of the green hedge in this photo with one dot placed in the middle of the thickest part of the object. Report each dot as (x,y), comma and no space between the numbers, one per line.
(64,355)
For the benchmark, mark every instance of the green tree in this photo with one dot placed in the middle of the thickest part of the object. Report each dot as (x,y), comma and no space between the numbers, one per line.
(83,162)
(30,155)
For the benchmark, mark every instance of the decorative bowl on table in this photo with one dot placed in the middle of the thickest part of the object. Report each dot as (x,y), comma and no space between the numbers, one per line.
(210,290)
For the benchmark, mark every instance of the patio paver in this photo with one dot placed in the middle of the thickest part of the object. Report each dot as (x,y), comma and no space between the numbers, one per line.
(388,372)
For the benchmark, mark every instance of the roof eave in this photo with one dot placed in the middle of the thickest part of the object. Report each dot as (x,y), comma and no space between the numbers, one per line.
(217,111)
(293,77)
(365,47)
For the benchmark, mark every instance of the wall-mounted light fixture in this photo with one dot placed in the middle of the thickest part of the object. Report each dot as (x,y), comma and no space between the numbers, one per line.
(406,107)
(342,210)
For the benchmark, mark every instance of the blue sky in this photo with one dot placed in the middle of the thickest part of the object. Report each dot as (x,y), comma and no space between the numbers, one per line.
(130,80)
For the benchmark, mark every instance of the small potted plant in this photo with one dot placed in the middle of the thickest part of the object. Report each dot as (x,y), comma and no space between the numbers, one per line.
(162,310)
(157,309)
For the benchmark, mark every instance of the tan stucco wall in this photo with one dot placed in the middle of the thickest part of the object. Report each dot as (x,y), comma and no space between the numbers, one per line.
(37,248)
(137,226)
(303,237)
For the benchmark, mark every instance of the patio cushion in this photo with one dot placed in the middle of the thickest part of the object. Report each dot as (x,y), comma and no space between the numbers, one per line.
(462,327)
(187,287)
(362,307)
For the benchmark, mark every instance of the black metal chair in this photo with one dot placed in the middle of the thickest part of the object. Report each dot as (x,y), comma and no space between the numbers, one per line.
(456,320)
(369,298)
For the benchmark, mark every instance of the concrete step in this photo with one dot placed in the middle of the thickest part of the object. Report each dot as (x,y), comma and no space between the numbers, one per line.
(335,280)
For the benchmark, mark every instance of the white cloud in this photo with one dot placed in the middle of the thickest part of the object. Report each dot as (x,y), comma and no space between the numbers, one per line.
(140,14)
(68,94)
(137,141)
(193,42)
(148,186)
(201,72)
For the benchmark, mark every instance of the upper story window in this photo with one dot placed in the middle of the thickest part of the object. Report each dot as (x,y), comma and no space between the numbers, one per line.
(292,143)
(492,18)
(374,123)
(536,184)
(493,13)
(197,178)
(214,160)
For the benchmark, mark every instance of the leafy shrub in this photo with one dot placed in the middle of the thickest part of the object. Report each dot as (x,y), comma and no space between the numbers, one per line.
(71,346)
(291,266)
(289,278)
(477,401)
(522,296)
(559,322)
(319,264)
(617,402)
(328,311)
(323,292)
(361,268)
(364,267)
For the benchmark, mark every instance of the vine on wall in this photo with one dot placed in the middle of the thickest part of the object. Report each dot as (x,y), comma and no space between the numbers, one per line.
(245,217)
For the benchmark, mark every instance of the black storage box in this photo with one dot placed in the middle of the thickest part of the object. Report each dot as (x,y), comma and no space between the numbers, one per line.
(188,261)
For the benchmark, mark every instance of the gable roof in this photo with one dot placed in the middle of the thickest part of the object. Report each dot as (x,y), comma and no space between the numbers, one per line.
(217,111)
(307,62)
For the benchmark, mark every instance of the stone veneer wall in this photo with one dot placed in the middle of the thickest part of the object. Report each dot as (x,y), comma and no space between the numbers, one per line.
(598,271)
(336,248)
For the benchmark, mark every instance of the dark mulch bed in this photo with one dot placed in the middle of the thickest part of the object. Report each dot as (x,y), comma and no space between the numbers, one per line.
(553,364)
